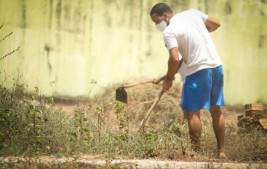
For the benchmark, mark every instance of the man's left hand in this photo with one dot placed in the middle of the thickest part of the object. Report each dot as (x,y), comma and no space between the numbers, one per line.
(166,85)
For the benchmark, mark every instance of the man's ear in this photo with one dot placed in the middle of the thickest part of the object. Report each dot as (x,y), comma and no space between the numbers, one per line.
(165,14)
(166,17)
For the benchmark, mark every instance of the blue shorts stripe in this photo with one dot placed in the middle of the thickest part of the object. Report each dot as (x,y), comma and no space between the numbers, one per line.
(203,89)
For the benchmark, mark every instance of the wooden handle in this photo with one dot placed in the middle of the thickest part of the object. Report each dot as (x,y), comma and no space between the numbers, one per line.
(135,84)
(143,122)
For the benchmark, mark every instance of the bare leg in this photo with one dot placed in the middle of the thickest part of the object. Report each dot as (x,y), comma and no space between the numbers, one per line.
(185,114)
(195,127)
(219,128)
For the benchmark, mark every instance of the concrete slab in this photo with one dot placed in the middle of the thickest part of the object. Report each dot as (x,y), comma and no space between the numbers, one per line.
(91,162)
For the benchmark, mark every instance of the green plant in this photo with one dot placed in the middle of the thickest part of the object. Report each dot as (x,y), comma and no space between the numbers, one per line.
(100,120)
(80,132)
(10,117)
(34,126)
(123,121)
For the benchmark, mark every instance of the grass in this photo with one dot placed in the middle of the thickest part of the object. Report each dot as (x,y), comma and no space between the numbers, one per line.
(32,125)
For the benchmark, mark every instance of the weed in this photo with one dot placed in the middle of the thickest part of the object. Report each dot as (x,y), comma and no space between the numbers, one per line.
(79,134)
(123,121)
(33,125)
(100,119)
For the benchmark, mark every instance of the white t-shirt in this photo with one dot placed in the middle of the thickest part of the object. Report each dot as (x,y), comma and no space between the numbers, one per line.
(188,32)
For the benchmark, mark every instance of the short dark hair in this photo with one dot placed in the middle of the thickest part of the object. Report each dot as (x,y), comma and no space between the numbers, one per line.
(160,8)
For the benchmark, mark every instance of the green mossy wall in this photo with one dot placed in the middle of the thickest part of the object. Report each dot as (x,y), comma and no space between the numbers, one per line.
(65,44)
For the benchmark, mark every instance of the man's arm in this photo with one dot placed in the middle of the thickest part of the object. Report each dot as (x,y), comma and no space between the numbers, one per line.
(212,24)
(173,63)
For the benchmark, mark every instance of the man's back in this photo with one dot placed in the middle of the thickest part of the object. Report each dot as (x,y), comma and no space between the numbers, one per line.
(188,31)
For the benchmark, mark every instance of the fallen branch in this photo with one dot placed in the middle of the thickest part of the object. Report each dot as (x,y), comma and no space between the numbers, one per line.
(6,36)
(9,53)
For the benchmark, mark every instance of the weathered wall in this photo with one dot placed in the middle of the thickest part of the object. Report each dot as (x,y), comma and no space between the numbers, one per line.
(66,44)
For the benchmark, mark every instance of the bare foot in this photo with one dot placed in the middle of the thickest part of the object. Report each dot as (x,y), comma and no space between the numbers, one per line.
(195,147)
(222,156)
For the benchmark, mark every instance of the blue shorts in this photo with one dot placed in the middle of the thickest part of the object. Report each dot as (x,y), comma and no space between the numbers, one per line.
(203,89)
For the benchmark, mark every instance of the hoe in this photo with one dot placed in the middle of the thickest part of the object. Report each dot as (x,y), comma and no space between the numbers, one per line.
(121,95)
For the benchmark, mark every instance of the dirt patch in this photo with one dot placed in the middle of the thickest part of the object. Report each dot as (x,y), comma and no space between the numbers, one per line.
(139,103)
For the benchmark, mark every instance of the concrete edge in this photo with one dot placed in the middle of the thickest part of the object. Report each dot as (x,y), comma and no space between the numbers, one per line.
(134,164)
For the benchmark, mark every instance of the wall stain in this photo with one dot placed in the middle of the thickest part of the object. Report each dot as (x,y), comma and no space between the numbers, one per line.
(84,22)
(50,14)
(140,48)
(67,17)
(48,49)
(77,16)
(58,13)
(228,8)
(262,11)
(91,28)
(58,21)
(23,13)
(199,5)
(261,41)
(207,6)
(149,48)
(108,19)
(131,19)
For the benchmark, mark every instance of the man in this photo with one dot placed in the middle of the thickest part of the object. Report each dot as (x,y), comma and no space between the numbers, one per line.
(187,34)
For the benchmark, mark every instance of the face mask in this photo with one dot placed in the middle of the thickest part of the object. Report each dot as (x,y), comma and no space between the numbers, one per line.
(162,25)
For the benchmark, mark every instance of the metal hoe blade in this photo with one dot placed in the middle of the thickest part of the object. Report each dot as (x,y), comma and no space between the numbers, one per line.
(121,95)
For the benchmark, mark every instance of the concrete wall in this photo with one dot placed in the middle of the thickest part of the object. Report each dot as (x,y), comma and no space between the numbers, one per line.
(67,44)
